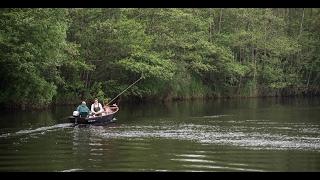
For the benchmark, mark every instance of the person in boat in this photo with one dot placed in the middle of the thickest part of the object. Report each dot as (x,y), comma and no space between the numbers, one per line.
(83,109)
(108,109)
(96,108)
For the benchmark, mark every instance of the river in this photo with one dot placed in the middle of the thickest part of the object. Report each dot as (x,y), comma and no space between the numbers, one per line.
(253,134)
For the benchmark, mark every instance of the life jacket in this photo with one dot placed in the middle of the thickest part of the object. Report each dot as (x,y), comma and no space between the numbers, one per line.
(96,109)
(83,110)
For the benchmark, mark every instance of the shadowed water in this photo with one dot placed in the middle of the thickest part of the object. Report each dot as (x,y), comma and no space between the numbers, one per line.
(223,135)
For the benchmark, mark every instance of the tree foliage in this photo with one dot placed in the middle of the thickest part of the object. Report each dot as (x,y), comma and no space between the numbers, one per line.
(64,55)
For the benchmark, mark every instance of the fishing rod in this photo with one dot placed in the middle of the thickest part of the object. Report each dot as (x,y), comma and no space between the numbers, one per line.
(126,89)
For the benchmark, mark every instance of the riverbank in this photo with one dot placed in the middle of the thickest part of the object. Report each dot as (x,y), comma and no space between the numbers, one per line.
(232,94)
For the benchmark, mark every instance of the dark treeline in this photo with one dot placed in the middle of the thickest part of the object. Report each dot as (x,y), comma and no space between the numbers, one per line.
(61,56)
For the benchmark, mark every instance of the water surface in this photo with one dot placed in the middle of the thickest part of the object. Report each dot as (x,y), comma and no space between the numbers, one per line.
(269,134)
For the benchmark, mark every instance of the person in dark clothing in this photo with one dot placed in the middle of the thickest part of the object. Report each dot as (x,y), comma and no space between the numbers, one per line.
(83,110)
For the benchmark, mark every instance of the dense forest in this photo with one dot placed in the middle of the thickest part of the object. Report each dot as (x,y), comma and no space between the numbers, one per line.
(63,56)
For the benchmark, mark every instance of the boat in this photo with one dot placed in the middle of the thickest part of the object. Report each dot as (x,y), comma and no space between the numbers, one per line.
(96,120)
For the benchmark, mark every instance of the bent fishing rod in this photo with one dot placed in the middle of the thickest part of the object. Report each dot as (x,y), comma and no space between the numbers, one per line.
(126,89)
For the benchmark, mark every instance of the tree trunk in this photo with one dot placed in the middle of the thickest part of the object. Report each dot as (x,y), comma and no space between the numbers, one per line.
(240,78)
(301,28)
(265,41)
(255,61)
(302,18)
(220,19)
(265,37)
(240,54)
(87,79)
(254,87)
(309,78)
(210,31)
(211,25)
(288,21)
(239,86)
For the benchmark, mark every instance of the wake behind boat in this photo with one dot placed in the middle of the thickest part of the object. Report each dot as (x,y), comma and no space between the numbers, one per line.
(103,119)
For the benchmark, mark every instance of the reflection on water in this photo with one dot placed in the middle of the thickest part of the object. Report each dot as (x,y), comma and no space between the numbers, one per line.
(226,135)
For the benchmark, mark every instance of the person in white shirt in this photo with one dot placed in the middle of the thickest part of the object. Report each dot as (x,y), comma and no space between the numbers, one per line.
(96,108)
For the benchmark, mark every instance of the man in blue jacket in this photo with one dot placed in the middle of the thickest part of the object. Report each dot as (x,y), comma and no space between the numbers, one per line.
(83,109)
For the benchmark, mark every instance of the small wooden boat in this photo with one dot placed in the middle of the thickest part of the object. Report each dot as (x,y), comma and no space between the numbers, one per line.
(97,120)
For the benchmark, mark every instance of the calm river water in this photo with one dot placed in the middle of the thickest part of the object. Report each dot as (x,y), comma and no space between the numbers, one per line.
(270,134)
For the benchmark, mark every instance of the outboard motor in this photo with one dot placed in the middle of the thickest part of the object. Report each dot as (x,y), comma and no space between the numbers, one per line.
(75,113)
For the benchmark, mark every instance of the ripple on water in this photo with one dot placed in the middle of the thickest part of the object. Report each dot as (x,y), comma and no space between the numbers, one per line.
(40,130)
(241,136)
(72,170)
(215,167)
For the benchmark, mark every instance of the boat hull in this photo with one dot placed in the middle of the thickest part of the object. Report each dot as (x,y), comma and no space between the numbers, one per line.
(98,120)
